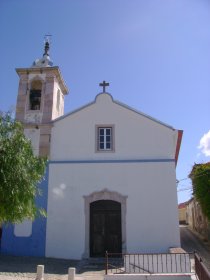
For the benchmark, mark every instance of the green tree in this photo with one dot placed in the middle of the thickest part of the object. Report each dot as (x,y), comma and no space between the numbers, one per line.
(20,172)
(200,176)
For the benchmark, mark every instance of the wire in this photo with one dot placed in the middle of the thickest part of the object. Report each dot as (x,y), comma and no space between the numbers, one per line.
(196,176)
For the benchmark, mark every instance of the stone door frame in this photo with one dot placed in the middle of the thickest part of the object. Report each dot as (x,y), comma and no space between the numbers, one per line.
(103,195)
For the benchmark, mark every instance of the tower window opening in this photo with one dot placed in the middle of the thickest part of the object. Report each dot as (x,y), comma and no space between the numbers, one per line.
(35,99)
(35,95)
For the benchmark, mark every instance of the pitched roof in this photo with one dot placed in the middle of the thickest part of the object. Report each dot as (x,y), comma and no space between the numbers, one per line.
(182,205)
(118,103)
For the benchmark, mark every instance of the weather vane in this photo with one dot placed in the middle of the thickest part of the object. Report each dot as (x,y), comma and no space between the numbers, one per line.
(47,38)
(47,42)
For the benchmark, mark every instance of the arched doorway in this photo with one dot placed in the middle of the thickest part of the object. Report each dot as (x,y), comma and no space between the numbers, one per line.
(104,194)
(105,227)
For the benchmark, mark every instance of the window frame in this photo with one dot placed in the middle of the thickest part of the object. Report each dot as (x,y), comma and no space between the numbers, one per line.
(97,141)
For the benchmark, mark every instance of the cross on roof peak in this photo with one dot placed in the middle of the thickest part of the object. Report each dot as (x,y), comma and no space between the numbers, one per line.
(104,85)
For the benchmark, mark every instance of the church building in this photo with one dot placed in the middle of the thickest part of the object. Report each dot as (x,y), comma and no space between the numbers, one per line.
(110,182)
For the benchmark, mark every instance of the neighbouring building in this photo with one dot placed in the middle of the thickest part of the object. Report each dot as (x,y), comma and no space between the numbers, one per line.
(182,212)
(110,183)
(196,219)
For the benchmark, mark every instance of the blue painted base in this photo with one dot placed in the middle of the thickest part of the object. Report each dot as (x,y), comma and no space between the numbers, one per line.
(33,245)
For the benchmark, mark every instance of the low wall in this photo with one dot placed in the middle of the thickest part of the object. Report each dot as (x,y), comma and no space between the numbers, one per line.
(147,277)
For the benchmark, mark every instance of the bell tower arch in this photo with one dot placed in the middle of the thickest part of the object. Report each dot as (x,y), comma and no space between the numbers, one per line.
(40,100)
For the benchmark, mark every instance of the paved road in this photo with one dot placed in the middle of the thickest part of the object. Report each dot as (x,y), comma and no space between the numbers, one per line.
(190,243)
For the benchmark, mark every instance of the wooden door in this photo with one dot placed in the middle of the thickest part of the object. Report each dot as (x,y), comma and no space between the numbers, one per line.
(105,228)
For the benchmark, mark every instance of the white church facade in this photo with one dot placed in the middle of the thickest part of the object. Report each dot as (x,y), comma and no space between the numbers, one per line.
(110,183)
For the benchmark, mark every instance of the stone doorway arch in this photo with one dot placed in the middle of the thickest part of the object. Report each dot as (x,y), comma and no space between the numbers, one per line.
(105,194)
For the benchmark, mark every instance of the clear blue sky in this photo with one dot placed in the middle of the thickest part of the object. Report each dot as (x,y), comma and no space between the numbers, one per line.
(154,53)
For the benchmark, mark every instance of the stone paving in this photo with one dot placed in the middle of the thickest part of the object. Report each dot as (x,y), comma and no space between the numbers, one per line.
(190,242)
(24,268)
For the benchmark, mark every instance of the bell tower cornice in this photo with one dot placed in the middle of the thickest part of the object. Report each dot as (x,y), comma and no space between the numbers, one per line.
(55,71)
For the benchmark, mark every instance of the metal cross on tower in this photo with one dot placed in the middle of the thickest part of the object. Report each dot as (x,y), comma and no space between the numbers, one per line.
(104,85)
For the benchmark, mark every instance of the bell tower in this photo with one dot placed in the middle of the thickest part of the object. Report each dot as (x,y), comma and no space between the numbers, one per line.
(40,100)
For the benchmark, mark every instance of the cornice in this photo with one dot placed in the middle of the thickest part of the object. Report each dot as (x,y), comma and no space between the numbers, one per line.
(40,70)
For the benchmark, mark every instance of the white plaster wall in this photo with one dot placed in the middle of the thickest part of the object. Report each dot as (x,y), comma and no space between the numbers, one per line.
(33,116)
(23,229)
(35,75)
(33,134)
(57,113)
(151,217)
(136,136)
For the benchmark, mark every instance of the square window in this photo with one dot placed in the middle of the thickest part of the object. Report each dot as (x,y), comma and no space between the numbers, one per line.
(104,138)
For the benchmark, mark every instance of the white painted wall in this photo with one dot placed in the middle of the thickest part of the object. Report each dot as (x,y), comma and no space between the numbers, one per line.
(33,134)
(136,136)
(55,112)
(31,76)
(23,229)
(151,218)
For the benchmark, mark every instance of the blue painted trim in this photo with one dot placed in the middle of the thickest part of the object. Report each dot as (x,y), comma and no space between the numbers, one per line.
(34,245)
(110,161)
